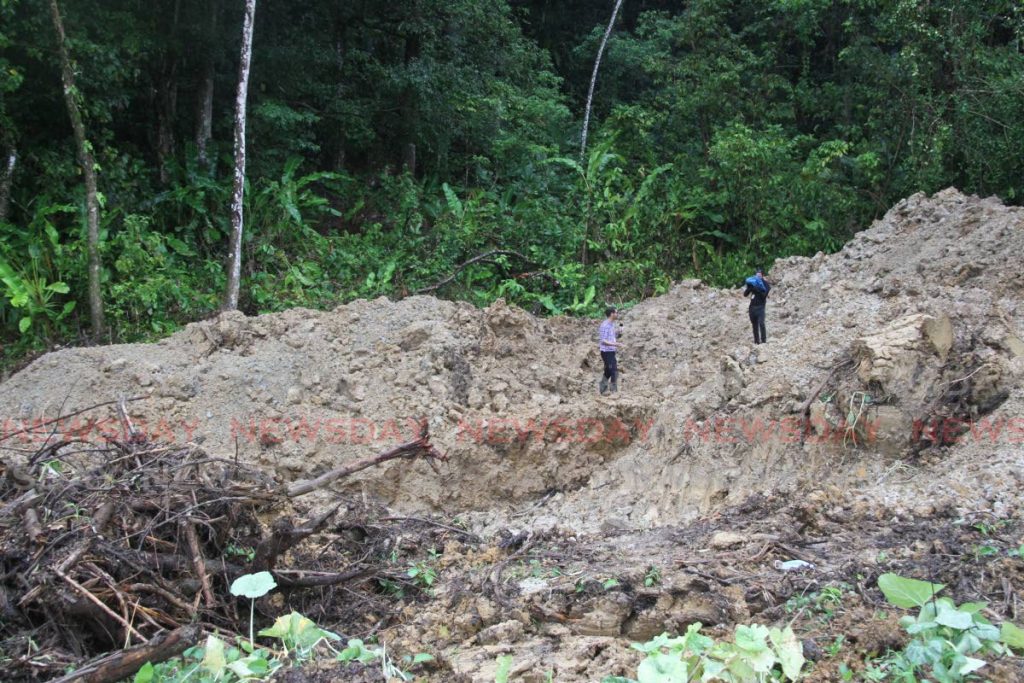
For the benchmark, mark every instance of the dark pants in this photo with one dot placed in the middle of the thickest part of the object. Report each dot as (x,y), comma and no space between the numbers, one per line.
(757,322)
(611,367)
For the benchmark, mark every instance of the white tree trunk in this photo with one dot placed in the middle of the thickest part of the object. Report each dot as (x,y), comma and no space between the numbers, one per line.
(237,223)
(593,78)
(6,180)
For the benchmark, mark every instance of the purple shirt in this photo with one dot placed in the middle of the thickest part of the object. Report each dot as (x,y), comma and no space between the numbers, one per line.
(606,333)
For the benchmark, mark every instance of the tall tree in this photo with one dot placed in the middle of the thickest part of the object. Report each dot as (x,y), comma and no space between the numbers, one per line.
(204,118)
(237,223)
(593,78)
(167,96)
(7,164)
(85,158)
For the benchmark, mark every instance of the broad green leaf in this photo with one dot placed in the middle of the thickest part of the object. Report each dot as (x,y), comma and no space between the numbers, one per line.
(662,668)
(752,638)
(253,586)
(24,324)
(973,607)
(695,641)
(953,618)
(59,287)
(970,665)
(241,669)
(1012,635)
(421,657)
(789,650)
(907,593)
(214,660)
(145,674)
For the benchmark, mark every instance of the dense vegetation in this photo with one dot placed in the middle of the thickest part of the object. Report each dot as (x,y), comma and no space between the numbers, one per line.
(391,142)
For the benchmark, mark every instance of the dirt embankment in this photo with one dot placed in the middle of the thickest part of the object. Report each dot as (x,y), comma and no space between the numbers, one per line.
(926,307)
(889,394)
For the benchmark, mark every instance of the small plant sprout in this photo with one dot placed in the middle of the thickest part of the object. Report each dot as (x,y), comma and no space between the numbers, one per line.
(652,577)
(253,586)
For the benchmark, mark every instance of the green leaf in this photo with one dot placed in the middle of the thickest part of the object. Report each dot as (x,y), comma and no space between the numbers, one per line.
(907,593)
(253,586)
(1012,635)
(790,651)
(504,669)
(970,665)
(973,607)
(59,287)
(145,674)
(662,668)
(24,324)
(214,660)
(953,618)
(422,657)
(179,246)
(752,638)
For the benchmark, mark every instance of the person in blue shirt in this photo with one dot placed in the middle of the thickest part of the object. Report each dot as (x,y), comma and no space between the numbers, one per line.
(608,344)
(757,289)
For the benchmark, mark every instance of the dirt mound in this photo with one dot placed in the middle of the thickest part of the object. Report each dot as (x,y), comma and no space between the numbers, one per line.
(890,389)
(925,306)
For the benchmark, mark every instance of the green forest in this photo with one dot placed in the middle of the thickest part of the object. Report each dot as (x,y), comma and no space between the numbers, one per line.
(421,146)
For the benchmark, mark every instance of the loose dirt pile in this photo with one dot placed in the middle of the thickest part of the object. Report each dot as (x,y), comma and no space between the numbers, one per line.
(881,418)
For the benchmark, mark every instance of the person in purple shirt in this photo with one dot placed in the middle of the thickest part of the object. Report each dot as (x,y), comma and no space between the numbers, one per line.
(608,344)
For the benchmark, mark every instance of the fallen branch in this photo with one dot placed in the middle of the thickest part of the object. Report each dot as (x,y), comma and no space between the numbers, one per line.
(284,537)
(476,259)
(469,535)
(84,592)
(198,562)
(120,665)
(285,580)
(805,407)
(413,449)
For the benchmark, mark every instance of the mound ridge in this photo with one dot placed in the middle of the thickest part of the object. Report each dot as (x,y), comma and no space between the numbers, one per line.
(916,324)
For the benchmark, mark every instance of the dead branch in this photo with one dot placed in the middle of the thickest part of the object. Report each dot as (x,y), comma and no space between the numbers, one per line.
(84,592)
(462,532)
(413,449)
(284,536)
(198,562)
(485,257)
(121,664)
(285,580)
(805,407)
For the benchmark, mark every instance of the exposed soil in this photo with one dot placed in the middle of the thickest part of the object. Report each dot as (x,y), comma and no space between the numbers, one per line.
(879,430)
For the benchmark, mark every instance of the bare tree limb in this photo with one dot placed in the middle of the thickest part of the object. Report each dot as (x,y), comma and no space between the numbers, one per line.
(593,79)
(485,257)
(121,664)
(84,592)
(413,449)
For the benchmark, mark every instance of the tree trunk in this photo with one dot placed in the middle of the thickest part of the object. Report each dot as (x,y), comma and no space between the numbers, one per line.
(593,79)
(10,160)
(235,256)
(86,160)
(167,100)
(204,121)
